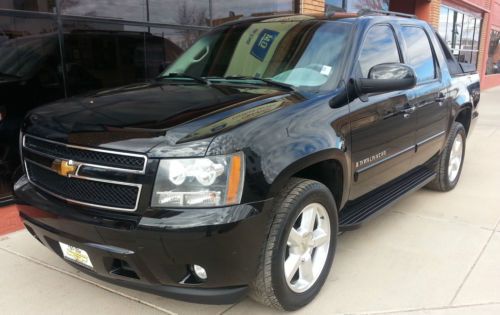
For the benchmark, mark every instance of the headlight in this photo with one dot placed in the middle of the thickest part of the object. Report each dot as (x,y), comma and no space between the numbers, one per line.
(199,182)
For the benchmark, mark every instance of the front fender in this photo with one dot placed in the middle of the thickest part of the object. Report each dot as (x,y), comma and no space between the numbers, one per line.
(282,178)
(280,144)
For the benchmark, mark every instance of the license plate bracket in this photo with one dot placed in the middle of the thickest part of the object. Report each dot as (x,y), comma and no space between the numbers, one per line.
(76,255)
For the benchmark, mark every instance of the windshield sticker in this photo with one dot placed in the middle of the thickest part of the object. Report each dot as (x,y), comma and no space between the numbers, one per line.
(263,43)
(326,70)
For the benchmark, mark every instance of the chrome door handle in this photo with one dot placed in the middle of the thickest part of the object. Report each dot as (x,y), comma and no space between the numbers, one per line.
(440,99)
(409,110)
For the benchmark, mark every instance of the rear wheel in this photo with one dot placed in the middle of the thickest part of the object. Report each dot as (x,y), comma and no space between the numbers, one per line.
(299,251)
(450,162)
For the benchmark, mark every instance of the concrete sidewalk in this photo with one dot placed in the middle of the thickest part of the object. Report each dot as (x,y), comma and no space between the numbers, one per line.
(432,253)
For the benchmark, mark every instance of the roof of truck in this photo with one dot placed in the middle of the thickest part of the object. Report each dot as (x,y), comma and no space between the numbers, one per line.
(345,16)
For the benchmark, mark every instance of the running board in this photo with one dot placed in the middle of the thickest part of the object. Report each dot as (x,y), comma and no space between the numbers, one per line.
(358,211)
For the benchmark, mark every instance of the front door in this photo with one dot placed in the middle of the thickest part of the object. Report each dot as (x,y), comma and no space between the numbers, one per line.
(383,125)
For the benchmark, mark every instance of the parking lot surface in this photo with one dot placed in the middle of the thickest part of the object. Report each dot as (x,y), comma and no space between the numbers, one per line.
(431,253)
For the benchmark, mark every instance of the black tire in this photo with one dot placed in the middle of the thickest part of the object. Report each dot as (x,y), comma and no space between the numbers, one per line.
(442,181)
(270,286)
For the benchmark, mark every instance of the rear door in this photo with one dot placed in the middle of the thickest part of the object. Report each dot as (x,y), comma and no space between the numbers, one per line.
(431,108)
(382,128)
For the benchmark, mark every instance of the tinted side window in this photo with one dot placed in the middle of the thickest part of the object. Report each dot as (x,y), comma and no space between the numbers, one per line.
(419,53)
(379,47)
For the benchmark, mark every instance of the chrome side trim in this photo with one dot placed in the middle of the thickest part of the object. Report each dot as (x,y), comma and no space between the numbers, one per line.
(143,171)
(364,169)
(437,135)
(139,191)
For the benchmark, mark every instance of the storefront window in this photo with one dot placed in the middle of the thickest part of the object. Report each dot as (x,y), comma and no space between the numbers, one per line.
(356,5)
(101,55)
(30,75)
(223,9)
(188,12)
(29,5)
(461,32)
(124,9)
(493,63)
(334,6)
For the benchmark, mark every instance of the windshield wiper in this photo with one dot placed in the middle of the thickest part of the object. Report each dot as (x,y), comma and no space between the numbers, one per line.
(184,75)
(268,81)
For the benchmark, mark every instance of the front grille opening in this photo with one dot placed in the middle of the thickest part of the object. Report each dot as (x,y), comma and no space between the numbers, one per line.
(86,191)
(122,268)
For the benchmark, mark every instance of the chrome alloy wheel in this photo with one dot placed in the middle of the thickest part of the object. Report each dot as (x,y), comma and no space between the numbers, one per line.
(456,155)
(307,248)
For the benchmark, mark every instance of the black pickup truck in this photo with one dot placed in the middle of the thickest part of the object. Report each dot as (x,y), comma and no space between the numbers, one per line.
(234,171)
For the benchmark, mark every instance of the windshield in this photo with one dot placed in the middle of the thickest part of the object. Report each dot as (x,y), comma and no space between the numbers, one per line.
(305,54)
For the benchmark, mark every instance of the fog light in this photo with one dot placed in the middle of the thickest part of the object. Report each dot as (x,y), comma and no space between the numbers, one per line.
(200,272)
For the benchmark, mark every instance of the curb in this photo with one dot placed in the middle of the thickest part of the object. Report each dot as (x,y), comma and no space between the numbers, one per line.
(10,220)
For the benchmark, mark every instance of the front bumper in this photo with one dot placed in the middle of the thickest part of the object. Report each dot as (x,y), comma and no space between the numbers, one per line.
(154,254)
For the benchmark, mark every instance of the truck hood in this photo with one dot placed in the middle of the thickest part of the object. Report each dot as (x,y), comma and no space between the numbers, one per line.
(142,116)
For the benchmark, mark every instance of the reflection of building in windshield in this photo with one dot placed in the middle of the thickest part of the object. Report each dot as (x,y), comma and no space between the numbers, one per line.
(256,48)
(295,51)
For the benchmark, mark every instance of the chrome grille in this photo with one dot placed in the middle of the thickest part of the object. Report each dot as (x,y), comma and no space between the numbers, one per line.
(94,192)
(83,191)
(125,161)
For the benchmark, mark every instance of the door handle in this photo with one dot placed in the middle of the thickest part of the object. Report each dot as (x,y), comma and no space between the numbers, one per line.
(407,111)
(440,99)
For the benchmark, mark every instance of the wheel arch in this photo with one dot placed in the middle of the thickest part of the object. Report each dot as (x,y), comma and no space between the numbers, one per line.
(316,167)
(463,115)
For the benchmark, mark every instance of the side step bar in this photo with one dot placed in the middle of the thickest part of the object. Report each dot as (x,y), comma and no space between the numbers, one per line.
(360,210)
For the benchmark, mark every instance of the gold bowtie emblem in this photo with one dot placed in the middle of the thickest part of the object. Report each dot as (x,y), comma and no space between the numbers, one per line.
(64,167)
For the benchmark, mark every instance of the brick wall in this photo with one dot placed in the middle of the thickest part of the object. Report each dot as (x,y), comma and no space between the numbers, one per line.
(495,10)
(311,6)
(483,44)
(428,11)
(434,13)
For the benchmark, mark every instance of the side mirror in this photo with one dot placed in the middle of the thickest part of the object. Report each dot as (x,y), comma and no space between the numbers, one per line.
(387,77)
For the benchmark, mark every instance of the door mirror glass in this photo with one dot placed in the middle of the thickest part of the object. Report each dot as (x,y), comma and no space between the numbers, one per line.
(387,77)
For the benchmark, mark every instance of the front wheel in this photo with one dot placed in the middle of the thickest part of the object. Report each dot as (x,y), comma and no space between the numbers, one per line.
(300,248)
(449,166)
